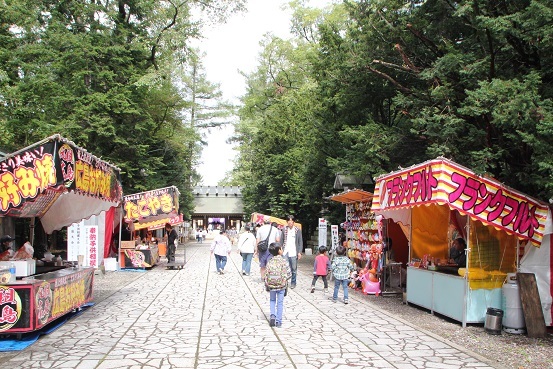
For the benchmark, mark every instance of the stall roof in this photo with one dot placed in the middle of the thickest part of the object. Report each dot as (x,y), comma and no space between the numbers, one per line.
(58,182)
(159,223)
(258,218)
(351,196)
(152,209)
(441,181)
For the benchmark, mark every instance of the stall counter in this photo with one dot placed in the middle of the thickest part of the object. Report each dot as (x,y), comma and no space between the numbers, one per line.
(29,304)
(450,295)
(139,258)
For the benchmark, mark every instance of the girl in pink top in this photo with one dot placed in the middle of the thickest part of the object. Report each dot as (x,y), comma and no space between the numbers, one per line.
(321,268)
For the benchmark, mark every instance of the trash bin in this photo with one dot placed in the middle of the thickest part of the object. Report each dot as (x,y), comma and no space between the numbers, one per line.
(494,318)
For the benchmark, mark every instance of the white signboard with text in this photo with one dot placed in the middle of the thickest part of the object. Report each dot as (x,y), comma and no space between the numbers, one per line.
(75,241)
(322,232)
(83,240)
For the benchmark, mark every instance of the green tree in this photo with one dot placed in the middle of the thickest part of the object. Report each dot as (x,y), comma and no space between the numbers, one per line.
(102,75)
(396,83)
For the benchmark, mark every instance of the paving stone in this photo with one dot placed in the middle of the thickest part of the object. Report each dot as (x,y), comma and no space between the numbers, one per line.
(195,318)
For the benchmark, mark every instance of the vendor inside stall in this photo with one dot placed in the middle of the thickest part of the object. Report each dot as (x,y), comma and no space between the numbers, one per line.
(6,251)
(458,252)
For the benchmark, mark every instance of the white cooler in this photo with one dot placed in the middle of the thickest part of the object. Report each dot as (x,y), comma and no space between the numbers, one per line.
(23,268)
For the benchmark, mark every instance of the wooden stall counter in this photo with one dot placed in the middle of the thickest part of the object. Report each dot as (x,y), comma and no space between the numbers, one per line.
(29,304)
(450,295)
(141,257)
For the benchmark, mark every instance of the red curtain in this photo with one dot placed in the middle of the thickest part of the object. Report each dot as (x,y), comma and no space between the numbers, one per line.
(109,231)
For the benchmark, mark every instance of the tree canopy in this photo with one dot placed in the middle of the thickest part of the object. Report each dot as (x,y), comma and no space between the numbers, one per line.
(366,86)
(112,76)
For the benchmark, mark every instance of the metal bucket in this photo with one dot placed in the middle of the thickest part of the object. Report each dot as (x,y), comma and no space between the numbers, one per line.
(494,318)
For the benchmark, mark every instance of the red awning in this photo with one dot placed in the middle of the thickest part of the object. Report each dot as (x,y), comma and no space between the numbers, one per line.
(351,196)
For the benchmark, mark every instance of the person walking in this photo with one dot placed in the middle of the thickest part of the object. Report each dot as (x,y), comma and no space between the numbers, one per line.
(341,269)
(246,248)
(221,247)
(293,246)
(171,242)
(320,269)
(276,279)
(265,233)
(197,234)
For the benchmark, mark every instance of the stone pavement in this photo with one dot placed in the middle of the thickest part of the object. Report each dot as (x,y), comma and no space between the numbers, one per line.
(196,318)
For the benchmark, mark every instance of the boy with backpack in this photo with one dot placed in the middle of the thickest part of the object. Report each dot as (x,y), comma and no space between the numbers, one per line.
(276,278)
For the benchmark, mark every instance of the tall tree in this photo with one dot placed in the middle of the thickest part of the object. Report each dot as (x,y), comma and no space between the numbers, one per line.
(101,74)
(395,83)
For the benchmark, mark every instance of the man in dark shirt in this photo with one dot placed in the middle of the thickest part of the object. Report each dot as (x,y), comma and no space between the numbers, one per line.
(171,242)
(458,253)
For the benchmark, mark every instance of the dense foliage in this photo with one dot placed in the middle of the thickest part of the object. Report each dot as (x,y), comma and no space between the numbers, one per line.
(117,77)
(367,86)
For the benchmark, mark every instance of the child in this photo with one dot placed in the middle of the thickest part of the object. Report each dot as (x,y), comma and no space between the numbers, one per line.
(321,268)
(341,269)
(277,274)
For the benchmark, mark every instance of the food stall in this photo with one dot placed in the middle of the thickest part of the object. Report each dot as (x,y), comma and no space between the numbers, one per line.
(362,231)
(61,184)
(439,201)
(149,210)
(368,244)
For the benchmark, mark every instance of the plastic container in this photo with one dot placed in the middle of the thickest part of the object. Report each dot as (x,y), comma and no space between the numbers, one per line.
(513,320)
(493,321)
(12,273)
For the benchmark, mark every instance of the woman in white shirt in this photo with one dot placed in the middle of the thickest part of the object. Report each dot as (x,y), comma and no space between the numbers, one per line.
(221,247)
(246,248)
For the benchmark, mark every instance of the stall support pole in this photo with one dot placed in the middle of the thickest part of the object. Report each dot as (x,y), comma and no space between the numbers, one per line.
(32,231)
(119,244)
(467,252)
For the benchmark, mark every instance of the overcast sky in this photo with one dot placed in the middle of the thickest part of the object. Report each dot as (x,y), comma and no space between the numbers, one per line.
(230,48)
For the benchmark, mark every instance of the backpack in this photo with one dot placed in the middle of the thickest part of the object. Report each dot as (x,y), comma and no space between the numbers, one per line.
(276,274)
(263,245)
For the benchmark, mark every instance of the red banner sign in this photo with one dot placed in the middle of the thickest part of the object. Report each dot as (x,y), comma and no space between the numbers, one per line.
(444,182)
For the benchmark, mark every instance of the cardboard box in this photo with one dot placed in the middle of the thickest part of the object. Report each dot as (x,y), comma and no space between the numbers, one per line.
(110,264)
(23,268)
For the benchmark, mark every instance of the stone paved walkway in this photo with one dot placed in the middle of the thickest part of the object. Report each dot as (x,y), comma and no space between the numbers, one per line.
(196,318)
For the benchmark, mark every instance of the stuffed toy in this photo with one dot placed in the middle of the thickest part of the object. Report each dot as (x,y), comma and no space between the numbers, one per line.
(353,279)
(374,256)
(372,275)
(370,283)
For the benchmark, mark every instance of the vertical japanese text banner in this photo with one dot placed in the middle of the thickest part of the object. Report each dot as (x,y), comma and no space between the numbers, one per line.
(334,235)
(91,244)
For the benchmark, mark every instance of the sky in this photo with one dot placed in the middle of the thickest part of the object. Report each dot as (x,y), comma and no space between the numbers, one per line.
(230,48)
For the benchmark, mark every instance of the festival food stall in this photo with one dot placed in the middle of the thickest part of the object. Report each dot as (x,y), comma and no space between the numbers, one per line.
(439,201)
(149,210)
(368,244)
(61,184)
